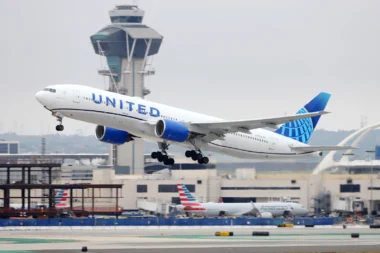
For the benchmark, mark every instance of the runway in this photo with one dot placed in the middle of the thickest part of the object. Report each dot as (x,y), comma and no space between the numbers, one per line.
(190,240)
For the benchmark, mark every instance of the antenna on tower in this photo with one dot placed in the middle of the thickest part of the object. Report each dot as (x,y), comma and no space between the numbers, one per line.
(43,145)
(363,121)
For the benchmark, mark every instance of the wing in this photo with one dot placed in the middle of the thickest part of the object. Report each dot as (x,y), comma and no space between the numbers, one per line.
(222,127)
(321,148)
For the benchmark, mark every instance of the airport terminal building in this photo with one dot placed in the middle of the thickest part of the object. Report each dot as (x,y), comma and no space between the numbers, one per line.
(207,186)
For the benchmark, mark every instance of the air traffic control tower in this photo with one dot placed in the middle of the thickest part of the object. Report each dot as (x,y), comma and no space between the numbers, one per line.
(127,45)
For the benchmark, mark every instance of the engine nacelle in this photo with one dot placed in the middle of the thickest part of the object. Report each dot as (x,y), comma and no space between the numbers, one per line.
(172,130)
(266,215)
(111,135)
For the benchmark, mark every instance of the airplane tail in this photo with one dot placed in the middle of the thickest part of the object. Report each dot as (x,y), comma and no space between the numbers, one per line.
(61,198)
(302,129)
(187,200)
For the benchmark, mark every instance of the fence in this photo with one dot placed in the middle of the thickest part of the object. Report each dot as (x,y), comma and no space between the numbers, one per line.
(164,222)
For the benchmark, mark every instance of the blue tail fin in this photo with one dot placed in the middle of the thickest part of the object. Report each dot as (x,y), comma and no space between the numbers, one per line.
(302,129)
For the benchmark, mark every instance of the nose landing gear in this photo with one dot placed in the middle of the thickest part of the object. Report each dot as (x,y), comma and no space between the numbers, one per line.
(59,128)
(59,119)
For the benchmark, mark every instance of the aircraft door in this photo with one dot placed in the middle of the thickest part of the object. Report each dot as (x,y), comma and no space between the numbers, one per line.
(272,143)
(76,96)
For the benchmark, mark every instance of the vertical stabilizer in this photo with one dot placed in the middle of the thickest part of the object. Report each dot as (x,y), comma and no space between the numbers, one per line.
(302,129)
(187,200)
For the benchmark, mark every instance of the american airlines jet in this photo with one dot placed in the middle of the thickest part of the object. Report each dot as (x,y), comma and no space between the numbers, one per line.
(190,206)
(121,118)
(60,201)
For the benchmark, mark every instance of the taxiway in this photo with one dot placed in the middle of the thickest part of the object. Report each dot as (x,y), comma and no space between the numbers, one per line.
(203,240)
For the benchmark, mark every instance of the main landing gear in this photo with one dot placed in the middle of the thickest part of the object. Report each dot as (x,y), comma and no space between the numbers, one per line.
(60,126)
(162,156)
(197,156)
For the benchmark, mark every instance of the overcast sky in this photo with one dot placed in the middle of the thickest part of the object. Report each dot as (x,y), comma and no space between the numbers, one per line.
(231,59)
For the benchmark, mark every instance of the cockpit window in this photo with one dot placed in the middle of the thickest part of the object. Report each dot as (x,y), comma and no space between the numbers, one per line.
(50,90)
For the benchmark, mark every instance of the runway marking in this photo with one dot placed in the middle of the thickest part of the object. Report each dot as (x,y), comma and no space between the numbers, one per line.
(17,251)
(255,237)
(33,240)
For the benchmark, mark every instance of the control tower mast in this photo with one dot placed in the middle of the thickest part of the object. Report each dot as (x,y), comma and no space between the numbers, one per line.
(127,44)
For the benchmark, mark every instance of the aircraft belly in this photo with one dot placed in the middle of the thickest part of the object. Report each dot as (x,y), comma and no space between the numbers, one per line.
(212,212)
(235,149)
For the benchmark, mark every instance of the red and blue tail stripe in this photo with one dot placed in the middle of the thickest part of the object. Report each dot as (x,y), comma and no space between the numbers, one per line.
(187,200)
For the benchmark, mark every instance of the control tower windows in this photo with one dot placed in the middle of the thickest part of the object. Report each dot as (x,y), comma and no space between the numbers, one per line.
(126,19)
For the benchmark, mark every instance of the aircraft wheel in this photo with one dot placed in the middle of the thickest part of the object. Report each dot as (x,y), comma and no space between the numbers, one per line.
(200,161)
(59,128)
(188,153)
(171,161)
(165,158)
(154,155)
(205,160)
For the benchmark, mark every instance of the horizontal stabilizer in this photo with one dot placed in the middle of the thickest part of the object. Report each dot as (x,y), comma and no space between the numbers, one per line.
(322,148)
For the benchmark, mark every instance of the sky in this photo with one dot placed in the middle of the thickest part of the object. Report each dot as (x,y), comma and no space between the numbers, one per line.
(230,59)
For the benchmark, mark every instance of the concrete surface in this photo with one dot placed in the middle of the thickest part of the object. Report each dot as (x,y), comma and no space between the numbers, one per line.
(203,240)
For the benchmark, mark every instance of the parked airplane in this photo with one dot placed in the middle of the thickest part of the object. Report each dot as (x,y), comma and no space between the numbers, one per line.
(190,206)
(121,118)
(60,201)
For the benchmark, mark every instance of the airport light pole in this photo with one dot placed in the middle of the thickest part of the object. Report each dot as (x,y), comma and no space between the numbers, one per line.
(371,175)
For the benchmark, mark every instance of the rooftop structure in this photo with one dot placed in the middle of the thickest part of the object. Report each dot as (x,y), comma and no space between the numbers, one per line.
(347,163)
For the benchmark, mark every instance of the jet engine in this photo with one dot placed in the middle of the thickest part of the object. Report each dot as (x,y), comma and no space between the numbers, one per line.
(172,130)
(112,136)
(266,215)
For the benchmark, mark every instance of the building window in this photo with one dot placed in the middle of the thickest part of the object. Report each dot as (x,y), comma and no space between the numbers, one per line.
(350,188)
(81,174)
(238,200)
(13,148)
(175,200)
(142,188)
(173,188)
(4,148)
(261,188)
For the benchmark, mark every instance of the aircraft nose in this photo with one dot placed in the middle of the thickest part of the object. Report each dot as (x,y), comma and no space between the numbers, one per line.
(39,96)
(44,98)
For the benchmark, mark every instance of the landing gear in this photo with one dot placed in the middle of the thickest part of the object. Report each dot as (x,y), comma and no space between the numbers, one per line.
(60,126)
(162,156)
(197,156)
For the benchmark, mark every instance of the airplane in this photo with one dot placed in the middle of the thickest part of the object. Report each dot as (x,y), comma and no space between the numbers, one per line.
(190,206)
(60,202)
(121,119)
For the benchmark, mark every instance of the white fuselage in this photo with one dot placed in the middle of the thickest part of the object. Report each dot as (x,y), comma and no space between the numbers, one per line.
(127,113)
(276,209)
